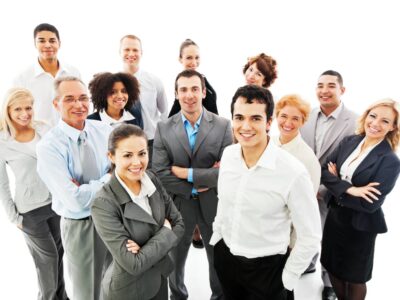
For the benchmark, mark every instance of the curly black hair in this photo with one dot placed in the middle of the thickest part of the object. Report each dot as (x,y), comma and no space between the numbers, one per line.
(102,84)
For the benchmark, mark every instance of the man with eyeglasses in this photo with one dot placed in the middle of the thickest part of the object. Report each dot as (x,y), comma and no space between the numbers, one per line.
(73,163)
(39,77)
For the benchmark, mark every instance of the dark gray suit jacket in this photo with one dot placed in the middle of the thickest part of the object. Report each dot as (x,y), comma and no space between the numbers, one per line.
(171,148)
(117,218)
(380,165)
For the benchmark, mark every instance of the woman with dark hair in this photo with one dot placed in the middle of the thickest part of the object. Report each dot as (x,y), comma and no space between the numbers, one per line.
(189,57)
(359,174)
(115,99)
(260,70)
(137,220)
(30,206)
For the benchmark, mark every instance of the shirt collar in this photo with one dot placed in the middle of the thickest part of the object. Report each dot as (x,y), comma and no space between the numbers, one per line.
(126,116)
(70,131)
(186,121)
(292,143)
(267,160)
(335,114)
(38,70)
(147,186)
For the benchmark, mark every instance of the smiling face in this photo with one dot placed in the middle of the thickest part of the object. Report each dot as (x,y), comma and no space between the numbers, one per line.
(190,57)
(21,113)
(190,95)
(131,53)
(379,122)
(254,76)
(130,159)
(328,93)
(47,44)
(73,103)
(117,98)
(250,124)
(290,120)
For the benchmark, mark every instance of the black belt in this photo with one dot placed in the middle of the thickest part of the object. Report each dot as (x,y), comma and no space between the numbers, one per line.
(194,197)
(83,219)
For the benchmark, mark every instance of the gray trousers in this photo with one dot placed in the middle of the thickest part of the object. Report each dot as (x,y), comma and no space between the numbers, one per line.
(191,213)
(323,210)
(87,258)
(41,229)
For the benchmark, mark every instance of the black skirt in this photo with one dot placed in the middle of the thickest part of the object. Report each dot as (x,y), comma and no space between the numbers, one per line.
(347,253)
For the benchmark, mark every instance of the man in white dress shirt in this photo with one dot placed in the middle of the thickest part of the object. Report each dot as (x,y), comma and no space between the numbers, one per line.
(262,189)
(39,77)
(153,100)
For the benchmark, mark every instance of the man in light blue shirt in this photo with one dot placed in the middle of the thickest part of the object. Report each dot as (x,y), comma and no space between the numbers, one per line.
(73,163)
(187,150)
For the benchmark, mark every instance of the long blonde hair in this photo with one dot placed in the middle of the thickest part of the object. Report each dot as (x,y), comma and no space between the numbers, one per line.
(393,137)
(13,96)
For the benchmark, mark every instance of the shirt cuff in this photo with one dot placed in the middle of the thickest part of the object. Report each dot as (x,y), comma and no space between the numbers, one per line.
(190,175)
(289,279)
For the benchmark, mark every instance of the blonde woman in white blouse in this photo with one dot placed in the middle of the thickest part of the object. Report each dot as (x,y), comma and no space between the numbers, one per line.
(359,174)
(30,208)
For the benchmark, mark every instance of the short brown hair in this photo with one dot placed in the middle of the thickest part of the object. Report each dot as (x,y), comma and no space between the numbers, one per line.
(266,65)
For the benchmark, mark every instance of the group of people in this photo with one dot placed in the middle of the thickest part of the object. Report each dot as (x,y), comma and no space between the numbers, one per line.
(127,189)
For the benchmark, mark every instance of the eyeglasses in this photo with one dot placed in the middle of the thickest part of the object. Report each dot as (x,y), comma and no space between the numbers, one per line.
(71,99)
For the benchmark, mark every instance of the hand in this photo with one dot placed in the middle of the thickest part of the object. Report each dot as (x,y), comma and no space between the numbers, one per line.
(366,192)
(74,181)
(167,224)
(179,172)
(132,246)
(332,169)
(202,190)
(217,164)
(20,226)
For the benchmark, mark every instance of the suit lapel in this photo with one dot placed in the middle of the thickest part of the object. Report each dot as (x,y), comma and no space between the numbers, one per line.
(373,156)
(156,206)
(308,131)
(204,129)
(132,210)
(339,125)
(181,133)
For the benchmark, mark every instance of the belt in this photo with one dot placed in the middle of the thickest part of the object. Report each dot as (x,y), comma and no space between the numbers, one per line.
(194,197)
(83,219)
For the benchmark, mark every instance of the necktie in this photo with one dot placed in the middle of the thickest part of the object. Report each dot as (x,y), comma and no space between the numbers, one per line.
(87,157)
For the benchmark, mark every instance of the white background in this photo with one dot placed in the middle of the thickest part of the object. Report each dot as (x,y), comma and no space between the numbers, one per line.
(357,38)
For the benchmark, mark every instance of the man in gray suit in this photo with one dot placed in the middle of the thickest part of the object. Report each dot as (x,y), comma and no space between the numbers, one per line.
(187,150)
(326,127)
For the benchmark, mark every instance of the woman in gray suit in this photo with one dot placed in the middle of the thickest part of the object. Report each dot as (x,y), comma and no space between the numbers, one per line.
(137,220)
(30,209)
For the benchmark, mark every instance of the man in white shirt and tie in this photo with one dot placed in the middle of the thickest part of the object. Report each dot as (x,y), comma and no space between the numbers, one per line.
(153,100)
(262,189)
(73,163)
(39,77)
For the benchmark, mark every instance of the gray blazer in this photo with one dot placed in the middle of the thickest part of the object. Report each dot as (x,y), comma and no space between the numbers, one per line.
(171,148)
(30,191)
(344,126)
(117,218)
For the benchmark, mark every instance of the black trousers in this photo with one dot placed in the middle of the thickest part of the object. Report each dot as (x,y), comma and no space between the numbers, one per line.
(250,279)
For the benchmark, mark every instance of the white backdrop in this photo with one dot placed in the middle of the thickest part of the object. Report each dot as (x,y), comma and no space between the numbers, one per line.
(360,40)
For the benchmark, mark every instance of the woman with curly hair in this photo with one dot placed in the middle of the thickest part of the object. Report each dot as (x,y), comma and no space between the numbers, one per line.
(260,70)
(115,99)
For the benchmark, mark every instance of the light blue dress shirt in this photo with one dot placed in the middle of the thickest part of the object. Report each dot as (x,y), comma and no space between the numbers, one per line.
(59,163)
(192,134)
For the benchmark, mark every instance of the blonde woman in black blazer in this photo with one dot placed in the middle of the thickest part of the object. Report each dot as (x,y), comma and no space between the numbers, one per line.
(137,220)
(359,174)
(30,208)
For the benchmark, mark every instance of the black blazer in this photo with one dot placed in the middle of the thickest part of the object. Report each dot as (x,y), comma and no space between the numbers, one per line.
(135,111)
(381,165)
(209,102)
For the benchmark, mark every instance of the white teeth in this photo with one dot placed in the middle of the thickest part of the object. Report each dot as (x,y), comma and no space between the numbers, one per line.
(247,135)
(373,130)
